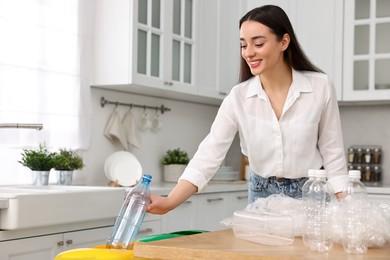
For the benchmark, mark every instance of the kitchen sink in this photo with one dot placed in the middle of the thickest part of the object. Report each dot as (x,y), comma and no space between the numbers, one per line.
(35,206)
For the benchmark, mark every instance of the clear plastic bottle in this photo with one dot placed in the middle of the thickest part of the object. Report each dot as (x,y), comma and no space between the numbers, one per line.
(308,210)
(131,216)
(354,197)
(319,233)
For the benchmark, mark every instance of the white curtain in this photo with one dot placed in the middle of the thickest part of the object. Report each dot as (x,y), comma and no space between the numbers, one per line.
(43,78)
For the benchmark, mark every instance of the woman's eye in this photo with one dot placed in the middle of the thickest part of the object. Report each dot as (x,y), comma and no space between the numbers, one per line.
(259,44)
(243,46)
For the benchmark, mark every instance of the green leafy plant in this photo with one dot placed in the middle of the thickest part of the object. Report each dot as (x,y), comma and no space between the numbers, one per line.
(38,160)
(67,160)
(175,156)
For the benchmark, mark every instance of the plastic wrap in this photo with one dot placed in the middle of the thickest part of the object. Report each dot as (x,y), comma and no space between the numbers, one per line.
(376,217)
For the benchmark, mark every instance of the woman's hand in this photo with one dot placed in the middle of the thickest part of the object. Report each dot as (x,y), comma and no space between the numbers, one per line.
(339,195)
(159,205)
(180,193)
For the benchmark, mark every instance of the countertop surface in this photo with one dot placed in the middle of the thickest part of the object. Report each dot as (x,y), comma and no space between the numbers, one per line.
(224,245)
(227,186)
(214,186)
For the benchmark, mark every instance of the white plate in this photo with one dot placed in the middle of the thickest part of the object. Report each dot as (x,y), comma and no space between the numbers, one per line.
(124,168)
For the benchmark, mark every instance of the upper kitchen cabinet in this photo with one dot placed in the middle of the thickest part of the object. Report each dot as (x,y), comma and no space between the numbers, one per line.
(219,46)
(367,50)
(146,46)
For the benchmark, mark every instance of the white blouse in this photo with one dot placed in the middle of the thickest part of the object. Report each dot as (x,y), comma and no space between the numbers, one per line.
(308,134)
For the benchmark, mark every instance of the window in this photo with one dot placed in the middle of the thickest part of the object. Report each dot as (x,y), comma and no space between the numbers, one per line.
(43,78)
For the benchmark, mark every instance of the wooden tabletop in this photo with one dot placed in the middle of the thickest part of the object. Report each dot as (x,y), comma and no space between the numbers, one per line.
(223,245)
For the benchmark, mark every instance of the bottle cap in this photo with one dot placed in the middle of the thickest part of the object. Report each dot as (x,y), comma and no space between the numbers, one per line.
(320,173)
(311,172)
(147,177)
(354,173)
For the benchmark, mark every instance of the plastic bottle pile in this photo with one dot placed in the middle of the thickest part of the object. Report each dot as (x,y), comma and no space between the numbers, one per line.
(354,222)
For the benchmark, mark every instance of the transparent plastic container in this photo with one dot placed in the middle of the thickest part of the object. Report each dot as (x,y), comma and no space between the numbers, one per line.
(318,233)
(354,198)
(263,228)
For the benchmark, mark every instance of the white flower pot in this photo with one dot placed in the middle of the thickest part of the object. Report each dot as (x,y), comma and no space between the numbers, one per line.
(172,172)
(64,177)
(40,178)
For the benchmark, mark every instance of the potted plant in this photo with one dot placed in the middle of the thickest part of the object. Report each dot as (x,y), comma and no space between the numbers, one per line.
(174,161)
(66,162)
(40,162)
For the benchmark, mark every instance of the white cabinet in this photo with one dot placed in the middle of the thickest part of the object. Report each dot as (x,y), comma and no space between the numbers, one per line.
(48,246)
(366,50)
(145,45)
(236,201)
(212,209)
(181,218)
(219,47)
(150,226)
(204,211)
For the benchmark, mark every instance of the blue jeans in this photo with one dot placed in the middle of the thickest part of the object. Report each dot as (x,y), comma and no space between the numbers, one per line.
(260,187)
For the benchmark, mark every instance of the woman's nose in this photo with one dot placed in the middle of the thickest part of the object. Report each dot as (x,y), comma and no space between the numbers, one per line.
(248,52)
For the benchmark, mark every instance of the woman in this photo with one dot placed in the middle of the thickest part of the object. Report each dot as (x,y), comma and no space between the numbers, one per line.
(285,111)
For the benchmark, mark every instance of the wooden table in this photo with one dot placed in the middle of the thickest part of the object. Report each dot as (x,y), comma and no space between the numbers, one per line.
(223,245)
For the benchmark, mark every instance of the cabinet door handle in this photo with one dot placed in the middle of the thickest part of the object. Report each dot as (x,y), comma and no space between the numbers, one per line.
(60,243)
(69,242)
(187,202)
(212,200)
(146,230)
(242,197)
(168,83)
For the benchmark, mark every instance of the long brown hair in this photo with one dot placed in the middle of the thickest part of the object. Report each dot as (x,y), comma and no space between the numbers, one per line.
(277,20)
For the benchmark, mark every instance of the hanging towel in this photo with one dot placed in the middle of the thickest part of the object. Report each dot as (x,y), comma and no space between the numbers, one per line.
(131,130)
(114,130)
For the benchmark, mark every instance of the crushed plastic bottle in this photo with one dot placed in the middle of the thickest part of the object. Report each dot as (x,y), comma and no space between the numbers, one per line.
(354,197)
(131,216)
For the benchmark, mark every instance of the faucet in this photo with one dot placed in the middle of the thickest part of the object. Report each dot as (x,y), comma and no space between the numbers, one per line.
(17,125)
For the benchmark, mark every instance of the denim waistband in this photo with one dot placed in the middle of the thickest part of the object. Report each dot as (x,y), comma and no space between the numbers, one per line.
(281,180)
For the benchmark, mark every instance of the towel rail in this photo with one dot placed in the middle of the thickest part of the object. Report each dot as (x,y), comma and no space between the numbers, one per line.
(161,108)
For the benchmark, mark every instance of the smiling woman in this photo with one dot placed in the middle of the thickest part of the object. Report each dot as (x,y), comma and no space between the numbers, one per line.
(43,77)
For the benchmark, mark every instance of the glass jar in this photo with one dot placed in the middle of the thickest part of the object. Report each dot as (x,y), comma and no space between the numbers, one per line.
(351,155)
(377,154)
(367,155)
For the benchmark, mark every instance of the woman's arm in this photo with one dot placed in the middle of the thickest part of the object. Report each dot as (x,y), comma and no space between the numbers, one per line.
(180,193)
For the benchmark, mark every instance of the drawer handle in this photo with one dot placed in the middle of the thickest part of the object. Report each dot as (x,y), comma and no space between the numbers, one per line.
(187,202)
(146,230)
(60,243)
(212,200)
(242,197)
(168,83)
(69,242)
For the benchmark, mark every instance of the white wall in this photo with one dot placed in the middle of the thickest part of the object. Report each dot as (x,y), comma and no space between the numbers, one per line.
(188,123)
(368,125)
(184,126)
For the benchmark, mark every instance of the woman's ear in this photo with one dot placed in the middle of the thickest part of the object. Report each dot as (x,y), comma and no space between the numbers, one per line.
(285,41)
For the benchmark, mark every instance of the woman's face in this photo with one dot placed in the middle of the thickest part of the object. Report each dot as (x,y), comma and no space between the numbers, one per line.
(260,48)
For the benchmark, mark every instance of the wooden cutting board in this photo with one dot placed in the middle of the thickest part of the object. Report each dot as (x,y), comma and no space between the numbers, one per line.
(223,245)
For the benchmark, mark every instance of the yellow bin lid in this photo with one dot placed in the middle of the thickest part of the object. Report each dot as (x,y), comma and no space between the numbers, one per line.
(97,253)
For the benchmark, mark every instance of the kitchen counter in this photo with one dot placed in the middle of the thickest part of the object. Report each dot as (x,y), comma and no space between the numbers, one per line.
(214,186)
(223,245)
(380,189)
